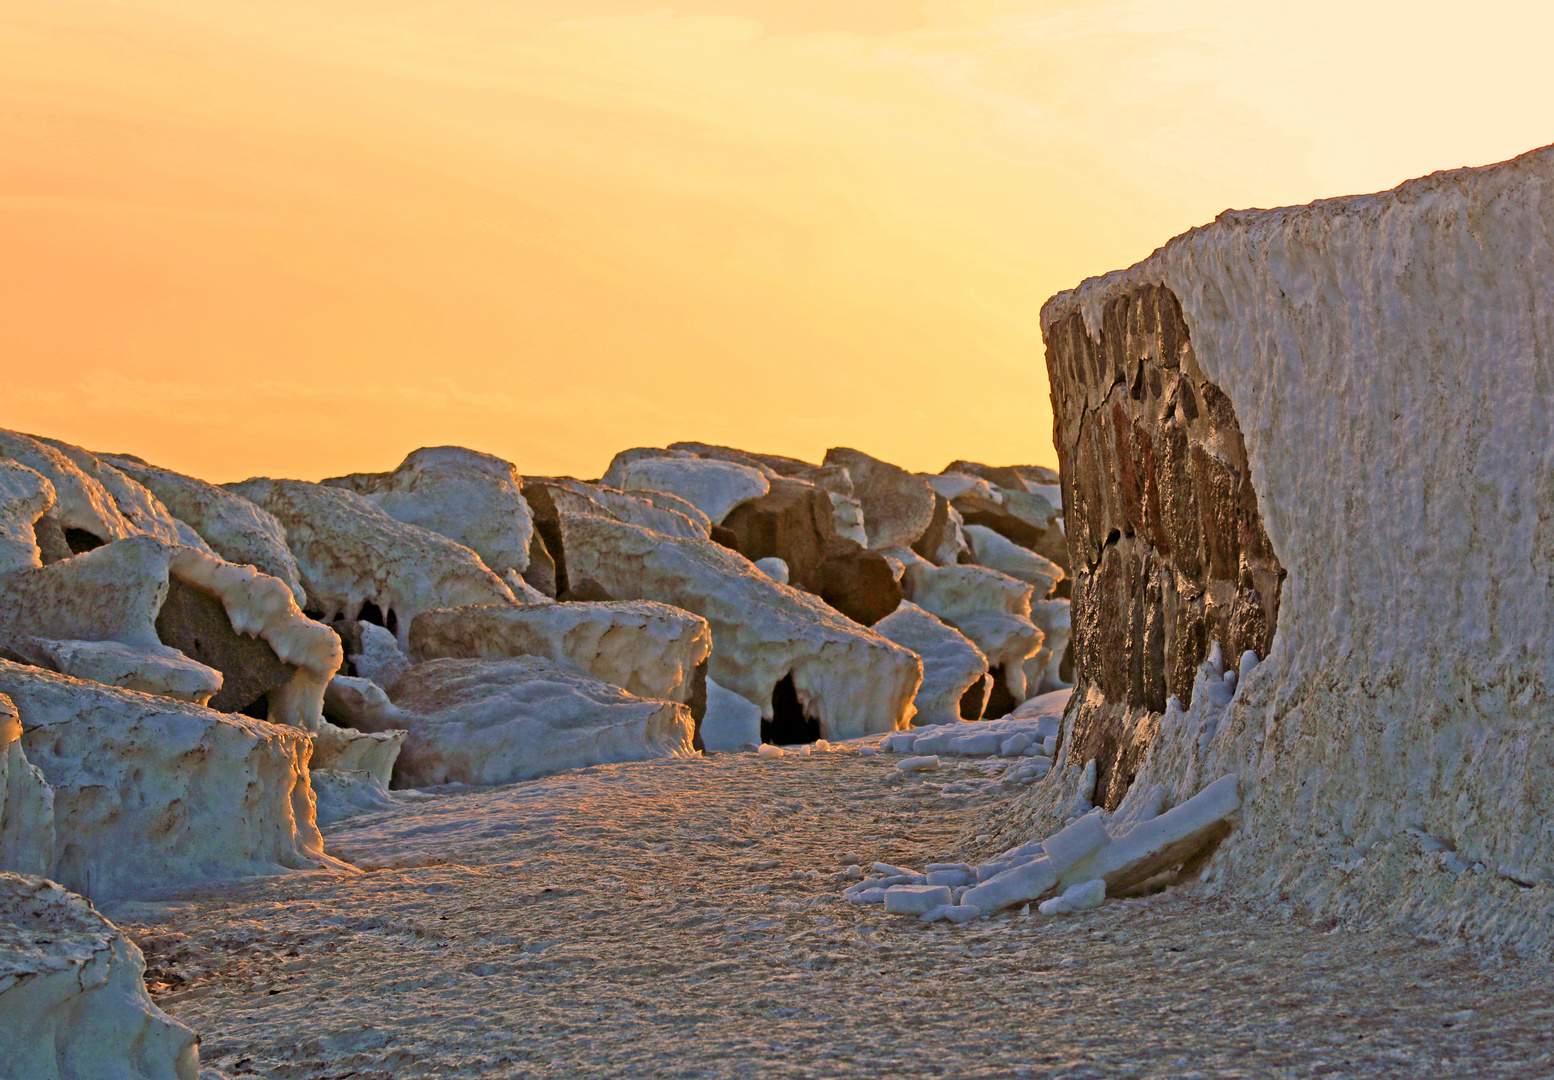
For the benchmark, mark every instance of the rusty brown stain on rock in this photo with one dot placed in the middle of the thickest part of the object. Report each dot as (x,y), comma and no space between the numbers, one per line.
(1166,542)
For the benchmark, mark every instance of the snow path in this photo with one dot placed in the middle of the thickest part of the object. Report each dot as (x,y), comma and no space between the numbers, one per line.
(659,919)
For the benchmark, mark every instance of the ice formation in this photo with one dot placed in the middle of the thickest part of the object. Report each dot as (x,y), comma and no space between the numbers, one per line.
(473,498)
(848,680)
(72,995)
(998,553)
(150,792)
(26,802)
(500,721)
(952,666)
(1400,347)
(989,607)
(235,528)
(713,487)
(648,649)
(730,723)
(351,553)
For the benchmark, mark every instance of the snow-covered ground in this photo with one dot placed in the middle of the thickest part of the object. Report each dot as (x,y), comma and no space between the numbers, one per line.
(685,918)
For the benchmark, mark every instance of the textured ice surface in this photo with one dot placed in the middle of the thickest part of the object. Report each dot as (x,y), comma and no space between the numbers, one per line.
(849,679)
(951,663)
(731,722)
(648,649)
(73,1004)
(235,528)
(499,721)
(1400,347)
(350,552)
(994,551)
(713,487)
(470,497)
(989,607)
(151,792)
(26,802)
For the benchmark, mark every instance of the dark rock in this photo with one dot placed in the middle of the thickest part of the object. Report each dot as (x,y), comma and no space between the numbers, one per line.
(929,544)
(363,483)
(542,568)
(791,522)
(197,625)
(547,527)
(859,583)
(585,590)
(1167,547)
(897,505)
(50,537)
(727,537)
(1004,476)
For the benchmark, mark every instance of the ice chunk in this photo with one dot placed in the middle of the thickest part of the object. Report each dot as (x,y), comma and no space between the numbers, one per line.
(1016,885)
(730,722)
(998,553)
(1177,836)
(951,663)
(915,899)
(773,568)
(1075,842)
(26,803)
(1014,746)
(951,878)
(977,744)
(713,487)
(767,750)
(918,764)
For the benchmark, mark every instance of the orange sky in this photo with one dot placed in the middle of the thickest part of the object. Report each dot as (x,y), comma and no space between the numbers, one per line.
(303,237)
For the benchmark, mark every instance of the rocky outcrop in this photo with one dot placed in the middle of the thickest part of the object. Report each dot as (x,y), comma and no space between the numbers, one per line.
(898,506)
(648,649)
(151,792)
(1357,392)
(501,721)
(235,528)
(351,553)
(774,645)
(73,995)
(793,522)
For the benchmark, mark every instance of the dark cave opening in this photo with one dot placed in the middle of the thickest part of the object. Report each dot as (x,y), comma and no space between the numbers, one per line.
(789,723)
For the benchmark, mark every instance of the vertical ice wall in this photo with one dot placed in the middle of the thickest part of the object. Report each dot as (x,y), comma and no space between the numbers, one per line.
(1390,361)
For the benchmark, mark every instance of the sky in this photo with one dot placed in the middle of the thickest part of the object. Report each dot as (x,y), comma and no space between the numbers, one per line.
(304,237)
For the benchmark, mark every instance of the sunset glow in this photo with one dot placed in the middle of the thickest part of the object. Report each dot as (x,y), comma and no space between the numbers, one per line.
(302,237)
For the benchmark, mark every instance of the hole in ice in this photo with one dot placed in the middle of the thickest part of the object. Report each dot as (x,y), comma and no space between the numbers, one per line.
(370,612)
(788,724)
(1000,702)
(259,708)
(974,701)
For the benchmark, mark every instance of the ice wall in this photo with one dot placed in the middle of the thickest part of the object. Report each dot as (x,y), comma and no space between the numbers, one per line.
(1390,359)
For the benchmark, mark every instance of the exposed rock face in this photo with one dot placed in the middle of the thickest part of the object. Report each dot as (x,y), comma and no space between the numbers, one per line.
(195,623)
(793,522)
(150,792)
(500,721)
(898,506)
(648,649)
(235,528)
(1389,360)
(860,584)
(1163,523)
(73,995)
(766,637)
(351,553)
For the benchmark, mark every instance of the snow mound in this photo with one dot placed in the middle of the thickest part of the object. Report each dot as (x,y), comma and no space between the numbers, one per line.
(952,665)
(501,721)
(73,995)
(151,792)
(235,528)
(848,679)
(351,552)
(648,649)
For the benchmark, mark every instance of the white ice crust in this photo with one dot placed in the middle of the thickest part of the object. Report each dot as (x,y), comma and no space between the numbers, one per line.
(989,607)
(730,722)
(998,553)
(26,802)
(235,528)
(473,498)
(349,552)
(713,487)
(848,678)
(501,721)
(72,995)
(656,510)
(1390,358)
(151,792)
(648,649)
(951,663)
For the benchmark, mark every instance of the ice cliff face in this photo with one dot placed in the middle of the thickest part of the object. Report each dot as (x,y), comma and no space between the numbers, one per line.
(1383,393)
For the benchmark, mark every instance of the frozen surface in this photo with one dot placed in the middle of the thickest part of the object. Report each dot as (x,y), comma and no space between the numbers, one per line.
(994,551)
(848,678)
(989,607)
(1400,347)
(350,552)
(151,792)
(656,510)
(731,723)
(951,663)
(235,528)
(26,803)
(713,487)
(648,649)
(72,999)
(497,721)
